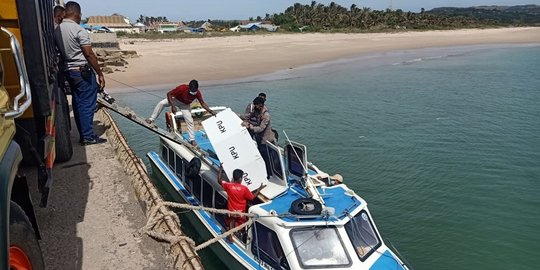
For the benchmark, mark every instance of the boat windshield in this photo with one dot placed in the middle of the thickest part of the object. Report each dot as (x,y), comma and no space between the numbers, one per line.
(318,247)
(362,235)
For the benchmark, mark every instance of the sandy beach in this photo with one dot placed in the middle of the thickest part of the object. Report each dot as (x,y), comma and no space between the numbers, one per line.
(170,62)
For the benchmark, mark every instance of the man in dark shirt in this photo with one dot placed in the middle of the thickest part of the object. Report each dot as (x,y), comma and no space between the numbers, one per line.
(80,67)
(251,107)
(182,97)
(258,125)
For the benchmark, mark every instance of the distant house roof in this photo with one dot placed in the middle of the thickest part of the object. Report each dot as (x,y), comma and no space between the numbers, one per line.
(251,26)
(109,21)
(206,26)
(177,24)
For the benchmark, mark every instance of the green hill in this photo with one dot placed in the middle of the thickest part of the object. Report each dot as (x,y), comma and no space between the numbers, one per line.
(503,15)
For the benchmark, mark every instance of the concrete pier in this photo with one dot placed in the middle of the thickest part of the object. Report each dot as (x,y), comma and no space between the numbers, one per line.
(97,209)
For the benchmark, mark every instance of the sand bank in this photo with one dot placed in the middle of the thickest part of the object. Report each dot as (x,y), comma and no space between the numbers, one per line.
(169,62)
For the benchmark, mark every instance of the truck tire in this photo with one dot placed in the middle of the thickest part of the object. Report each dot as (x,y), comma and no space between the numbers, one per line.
(24,247)
(63,145)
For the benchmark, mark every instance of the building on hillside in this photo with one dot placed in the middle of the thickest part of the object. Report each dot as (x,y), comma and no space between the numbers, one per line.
(116,23)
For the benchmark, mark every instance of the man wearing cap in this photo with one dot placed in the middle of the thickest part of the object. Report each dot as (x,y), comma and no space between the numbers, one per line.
(258,125)
(182,97)
(250,107)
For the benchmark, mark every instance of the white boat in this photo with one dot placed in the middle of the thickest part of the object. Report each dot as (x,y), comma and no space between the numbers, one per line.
(300,220)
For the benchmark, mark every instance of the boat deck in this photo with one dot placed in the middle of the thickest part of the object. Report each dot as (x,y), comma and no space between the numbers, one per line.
(335,197)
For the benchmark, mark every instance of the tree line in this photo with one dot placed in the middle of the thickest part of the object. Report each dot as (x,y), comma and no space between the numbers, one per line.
(317,16)
(151,20)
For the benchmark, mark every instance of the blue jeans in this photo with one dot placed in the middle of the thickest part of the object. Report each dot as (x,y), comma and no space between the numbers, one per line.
(84,93)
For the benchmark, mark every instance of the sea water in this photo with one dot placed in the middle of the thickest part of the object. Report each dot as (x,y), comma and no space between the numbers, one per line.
(443,143)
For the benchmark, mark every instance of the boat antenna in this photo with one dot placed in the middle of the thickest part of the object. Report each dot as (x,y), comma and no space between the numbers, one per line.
(309,186)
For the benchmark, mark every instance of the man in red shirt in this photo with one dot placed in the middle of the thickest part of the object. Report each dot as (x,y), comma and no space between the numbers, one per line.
(182,97)
(238,195)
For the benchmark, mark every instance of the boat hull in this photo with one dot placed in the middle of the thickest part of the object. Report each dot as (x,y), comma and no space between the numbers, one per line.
(196,218)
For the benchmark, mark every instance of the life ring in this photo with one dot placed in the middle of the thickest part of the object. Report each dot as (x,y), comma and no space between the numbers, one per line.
(193,167)
(306,206)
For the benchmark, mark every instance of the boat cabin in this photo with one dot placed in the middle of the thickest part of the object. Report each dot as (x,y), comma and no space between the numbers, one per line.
(303,222)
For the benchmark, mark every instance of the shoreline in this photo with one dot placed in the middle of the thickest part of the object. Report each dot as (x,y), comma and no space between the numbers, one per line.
(167,63)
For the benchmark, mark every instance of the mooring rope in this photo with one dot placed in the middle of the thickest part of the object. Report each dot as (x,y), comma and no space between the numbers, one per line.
(161,211)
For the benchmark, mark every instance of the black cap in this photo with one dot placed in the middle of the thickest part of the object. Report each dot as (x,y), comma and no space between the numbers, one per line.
(263,95)
(258,100)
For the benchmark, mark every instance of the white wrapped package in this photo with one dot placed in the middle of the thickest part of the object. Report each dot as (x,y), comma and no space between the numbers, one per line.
(235,148)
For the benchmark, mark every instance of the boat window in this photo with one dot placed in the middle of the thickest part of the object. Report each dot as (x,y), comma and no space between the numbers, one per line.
(208,193)
(295,162)
(171,159)
(362,235)
(164,153)
(220,203)
(319,247)
(179,166)
(196,186)
(275,162)
(188,180)
(266,246)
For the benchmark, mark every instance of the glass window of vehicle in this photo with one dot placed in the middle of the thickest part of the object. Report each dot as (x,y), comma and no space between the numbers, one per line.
(318,247)
(164,153)
(362,235)
(275,161)
(266,246)
(294,155)
(197,186)
(208,192)
(179,166)
(171,159)
(220,203)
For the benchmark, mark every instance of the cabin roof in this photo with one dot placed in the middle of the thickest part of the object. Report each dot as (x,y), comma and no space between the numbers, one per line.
(335,197)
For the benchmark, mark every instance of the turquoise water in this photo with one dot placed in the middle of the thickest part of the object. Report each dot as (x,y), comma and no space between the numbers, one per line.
(444,144)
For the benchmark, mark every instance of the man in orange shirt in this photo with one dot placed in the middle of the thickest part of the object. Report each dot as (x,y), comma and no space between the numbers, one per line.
(182,97)
(238,195)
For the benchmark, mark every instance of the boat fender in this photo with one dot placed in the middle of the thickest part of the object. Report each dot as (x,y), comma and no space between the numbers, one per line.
(306,206)
(193,168)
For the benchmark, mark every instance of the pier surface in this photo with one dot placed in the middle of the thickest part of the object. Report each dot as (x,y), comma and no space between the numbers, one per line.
(93,217)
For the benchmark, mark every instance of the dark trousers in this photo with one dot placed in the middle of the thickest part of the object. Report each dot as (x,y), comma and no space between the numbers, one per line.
(84,93)
(263,149)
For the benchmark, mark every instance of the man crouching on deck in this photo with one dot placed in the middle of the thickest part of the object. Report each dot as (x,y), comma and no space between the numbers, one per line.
(182,96)
(238,195)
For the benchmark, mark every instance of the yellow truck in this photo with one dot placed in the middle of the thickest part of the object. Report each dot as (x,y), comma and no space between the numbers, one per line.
(34,124)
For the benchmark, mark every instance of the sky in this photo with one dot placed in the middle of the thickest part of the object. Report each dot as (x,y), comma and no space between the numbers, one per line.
(181,10)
